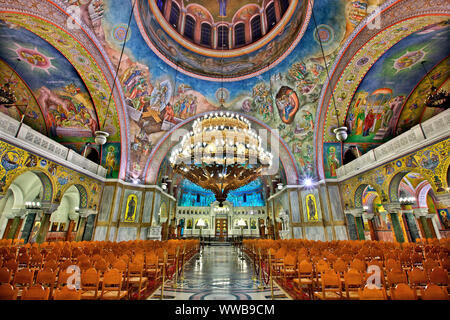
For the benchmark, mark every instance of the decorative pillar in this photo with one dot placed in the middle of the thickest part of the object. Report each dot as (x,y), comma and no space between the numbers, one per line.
(89,223)
(182,20)
(69,230)
(29,223)
(167,9)
(393,209)
(262,13)
(421,214)
(7,228)
(351,224)
(215,37)
(434,225)
(81,227)
(357,213)
(411,224)
(15,227)
(369,217)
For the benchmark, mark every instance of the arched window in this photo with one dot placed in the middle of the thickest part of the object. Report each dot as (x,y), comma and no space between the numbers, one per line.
(205,37)
(239,35)
(256,28)
(271,17)
(222,37)
(284,5)
(174,15)
(189,27)
(161,5)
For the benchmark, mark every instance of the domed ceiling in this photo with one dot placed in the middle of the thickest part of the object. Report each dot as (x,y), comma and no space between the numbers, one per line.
(166,80)
(213,61)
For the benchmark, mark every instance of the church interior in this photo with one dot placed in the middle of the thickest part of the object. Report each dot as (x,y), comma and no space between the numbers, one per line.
(224,150)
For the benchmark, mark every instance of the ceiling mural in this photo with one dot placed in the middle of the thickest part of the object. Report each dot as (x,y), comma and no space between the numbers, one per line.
(364,59)
(25,103)
(214,64)
(377,105)
(279,83)
(63,98)
(159,97)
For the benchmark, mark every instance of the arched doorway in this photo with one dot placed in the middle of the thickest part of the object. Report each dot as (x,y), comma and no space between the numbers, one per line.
(15,220)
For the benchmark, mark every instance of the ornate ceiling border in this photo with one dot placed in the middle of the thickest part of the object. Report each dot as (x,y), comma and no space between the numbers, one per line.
(49,20)
(397,19)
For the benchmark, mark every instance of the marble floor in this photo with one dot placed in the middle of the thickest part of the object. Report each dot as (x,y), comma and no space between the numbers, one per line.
(218,273)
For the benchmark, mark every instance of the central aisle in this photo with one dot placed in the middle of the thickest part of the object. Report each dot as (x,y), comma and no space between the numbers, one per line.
(218,273)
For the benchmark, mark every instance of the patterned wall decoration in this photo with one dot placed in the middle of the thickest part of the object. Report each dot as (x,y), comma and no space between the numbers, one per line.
(432,163)
(14,161)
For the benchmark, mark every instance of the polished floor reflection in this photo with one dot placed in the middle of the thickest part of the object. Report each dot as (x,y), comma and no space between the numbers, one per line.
(218,273)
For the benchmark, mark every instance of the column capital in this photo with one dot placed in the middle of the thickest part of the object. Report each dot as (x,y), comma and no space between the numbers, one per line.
(369,216)
(443,199)
(17,212)
(49,207)
(430,215)
(407,211)
(356,212)
(393,207)
(420,212)
(84,212)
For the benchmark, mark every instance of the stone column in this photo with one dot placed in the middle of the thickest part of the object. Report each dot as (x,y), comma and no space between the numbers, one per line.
(262,13)
(69,230)
(167,9)
(89,223)
(182,22)
(352,223)
(214,37)
(47,210)
(433,222)
(393,210)
(29,223)
(15,227)
(411,223)
(81,227)
(420,214)
(7,228)
(369,217)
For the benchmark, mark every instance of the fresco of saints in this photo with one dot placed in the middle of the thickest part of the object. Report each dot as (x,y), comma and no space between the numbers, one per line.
(222,8)
(110,161)
(368,122)
(333,162)
(360,117)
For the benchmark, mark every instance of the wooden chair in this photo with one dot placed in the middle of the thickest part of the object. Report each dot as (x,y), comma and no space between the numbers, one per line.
(353,281)
(67,294)
(101,265)
(417,278)
(372,294)
(136,282)
(152,270)
(358,265)
(331,286)
(289,269)
(23,278)
(36,262)
(36,292)
(439,277)
(51,264)
(8,292)
(89,284)
(12,265)
(430,264)
(111,287)
(434,292)
(403,292)
(23,259)
(395,277)
(392,264)
(47,278)
(5,275)
(321,267)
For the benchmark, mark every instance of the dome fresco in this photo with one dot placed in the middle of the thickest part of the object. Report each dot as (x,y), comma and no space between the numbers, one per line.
(166,80)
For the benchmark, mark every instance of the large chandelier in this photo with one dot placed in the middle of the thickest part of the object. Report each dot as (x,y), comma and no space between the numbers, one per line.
(221,153)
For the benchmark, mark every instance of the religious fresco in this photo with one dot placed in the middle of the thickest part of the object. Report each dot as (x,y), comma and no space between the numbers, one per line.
(331,159)
(431,163)
(414,110)
(111,159)
(285,98)
(15,161)
(25,103)
(62,97)
(351,77)
(375,111)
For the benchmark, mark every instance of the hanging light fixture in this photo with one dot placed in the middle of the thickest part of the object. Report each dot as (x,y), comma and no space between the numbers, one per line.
(221,153)
(436,98)
(102,136)
(340,131)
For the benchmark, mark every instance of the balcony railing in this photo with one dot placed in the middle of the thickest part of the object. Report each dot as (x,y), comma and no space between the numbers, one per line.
(12,128)
(431,130)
